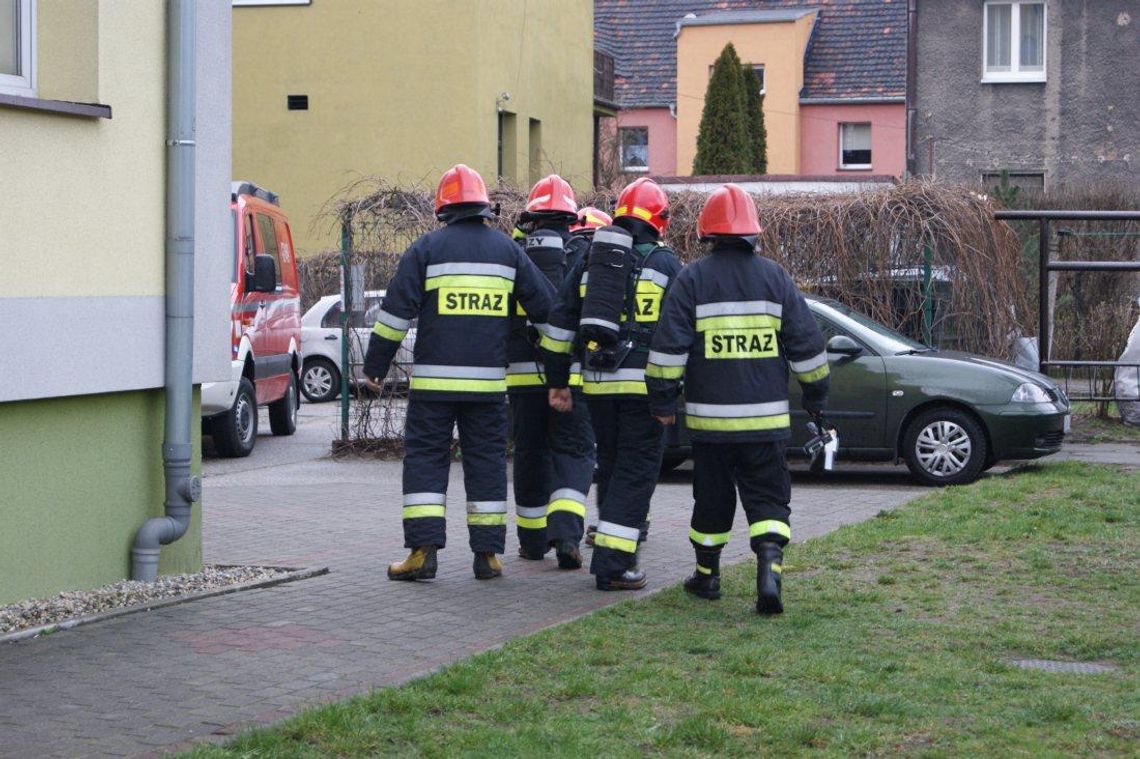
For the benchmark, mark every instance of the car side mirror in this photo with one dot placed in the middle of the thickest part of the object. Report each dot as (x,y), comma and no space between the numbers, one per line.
(264,273)
(843,346)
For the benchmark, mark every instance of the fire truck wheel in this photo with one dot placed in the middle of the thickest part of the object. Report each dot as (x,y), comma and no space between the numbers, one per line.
(235,431)
(283,413)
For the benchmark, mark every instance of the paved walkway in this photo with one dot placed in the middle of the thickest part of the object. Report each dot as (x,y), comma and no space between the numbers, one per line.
(147,682)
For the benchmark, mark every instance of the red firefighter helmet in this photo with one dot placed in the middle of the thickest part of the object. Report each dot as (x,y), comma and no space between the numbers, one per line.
(644,199)
(728,211)
(552,195)
(460,184)
(589,219)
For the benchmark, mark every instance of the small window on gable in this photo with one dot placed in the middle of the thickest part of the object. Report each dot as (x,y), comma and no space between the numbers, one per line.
(854,146)
(1013,47)
(17,43)
(634,148)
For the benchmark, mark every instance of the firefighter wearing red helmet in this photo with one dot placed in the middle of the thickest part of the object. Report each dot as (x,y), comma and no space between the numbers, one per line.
(630,442)
(553,452)
(732,327)
(458,281)
(590,219)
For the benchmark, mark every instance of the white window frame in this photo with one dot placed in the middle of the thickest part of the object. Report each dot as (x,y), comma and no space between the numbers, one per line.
(855,166)
(1014,75)
(24,83)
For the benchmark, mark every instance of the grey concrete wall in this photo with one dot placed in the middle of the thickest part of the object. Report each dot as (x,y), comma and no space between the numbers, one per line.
(1081,125)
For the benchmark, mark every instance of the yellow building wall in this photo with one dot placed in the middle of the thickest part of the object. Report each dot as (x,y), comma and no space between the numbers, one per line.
(404,89)
(85,184)
(779,46)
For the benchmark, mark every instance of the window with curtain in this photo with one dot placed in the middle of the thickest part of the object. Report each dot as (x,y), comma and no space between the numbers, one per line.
(1014,45)
(634,148)
(854,146)
(16,59)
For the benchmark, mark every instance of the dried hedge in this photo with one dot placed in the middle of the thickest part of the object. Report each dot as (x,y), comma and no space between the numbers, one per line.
(866,249)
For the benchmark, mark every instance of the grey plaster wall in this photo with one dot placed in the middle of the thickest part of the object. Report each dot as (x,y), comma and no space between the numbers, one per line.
(1081,125)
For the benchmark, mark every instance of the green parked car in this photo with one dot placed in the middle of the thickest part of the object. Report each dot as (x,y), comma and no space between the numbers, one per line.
(948,415)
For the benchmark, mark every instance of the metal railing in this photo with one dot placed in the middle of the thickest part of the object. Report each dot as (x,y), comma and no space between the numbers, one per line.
(1046,265)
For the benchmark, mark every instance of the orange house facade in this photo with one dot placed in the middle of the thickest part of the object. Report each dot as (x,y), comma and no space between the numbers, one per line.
(832,76)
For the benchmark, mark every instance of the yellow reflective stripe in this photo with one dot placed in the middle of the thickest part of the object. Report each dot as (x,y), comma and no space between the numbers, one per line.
(487,520)
(649,287)
(664,372)
(708,538)
(738,321)
(565,504)
(459,385)
(469,280)
(419,512)
(704,570)
(529,379)
(555,346)
(618,544)
(531,523)
(815,375)
(770,526)
(640,213)
(743,423)
(777,568)
(575,380)
(614,388)
(386,332)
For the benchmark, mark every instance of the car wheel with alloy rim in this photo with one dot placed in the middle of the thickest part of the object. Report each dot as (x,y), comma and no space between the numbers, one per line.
(235,431)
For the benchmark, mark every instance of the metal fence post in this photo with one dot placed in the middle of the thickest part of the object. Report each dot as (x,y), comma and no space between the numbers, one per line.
(927,295)
(1043,315)
(345,312)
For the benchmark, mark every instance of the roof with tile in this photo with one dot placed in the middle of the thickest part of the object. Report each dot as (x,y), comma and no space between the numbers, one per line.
(857,50)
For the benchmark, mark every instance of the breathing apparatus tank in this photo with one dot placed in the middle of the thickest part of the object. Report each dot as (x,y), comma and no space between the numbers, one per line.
(547,251)
(608,271)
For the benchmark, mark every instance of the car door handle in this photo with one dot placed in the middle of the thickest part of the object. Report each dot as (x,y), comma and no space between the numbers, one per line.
(332,337)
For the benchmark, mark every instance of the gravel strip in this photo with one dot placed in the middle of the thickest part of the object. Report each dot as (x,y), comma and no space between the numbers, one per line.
(38,612)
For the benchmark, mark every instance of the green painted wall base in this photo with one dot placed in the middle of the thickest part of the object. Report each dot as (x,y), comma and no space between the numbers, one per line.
(77,478)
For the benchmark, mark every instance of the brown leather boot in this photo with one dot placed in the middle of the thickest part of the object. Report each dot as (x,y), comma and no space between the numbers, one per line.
(487,566)
(420,565)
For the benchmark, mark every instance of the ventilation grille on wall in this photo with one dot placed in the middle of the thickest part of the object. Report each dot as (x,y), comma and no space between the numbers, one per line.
(297,102)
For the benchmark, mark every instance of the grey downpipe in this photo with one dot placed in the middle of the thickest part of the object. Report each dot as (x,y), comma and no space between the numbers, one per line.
(182,488)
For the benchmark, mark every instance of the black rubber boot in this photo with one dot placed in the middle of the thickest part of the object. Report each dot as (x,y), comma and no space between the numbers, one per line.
(703,585)
(630,579)
(769,574)
(487,566)
(591,530)
(531,555)
(569,557)
(420,565)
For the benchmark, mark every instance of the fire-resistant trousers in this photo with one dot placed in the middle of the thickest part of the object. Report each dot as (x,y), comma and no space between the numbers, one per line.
(427,460)
(554,465)
(630,446)
(760,472)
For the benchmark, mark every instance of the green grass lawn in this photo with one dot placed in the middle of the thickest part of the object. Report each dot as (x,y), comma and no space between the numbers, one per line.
(895,642)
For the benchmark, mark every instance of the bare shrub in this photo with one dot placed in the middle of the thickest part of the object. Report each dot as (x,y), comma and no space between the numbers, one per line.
(866,249)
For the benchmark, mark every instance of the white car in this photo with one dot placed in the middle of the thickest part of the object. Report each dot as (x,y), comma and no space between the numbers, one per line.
(321,346)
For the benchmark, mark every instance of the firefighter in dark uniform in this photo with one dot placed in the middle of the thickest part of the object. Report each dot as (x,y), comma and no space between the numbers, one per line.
(553,452)
(732,327)
(458,281)
(630,441)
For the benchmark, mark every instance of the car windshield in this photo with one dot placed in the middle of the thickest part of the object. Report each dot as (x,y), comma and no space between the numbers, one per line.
(887,339)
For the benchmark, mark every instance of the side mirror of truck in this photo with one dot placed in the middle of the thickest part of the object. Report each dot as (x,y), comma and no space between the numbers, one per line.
(844,346)
(264,273)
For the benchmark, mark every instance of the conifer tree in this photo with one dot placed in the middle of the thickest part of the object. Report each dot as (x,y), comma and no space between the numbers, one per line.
(757,132)
(723,142)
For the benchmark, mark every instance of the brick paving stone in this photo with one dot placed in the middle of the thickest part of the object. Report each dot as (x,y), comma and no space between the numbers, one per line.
(144,683)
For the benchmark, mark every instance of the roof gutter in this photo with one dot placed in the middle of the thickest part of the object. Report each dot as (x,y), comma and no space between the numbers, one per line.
(182,488)
(852,101)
